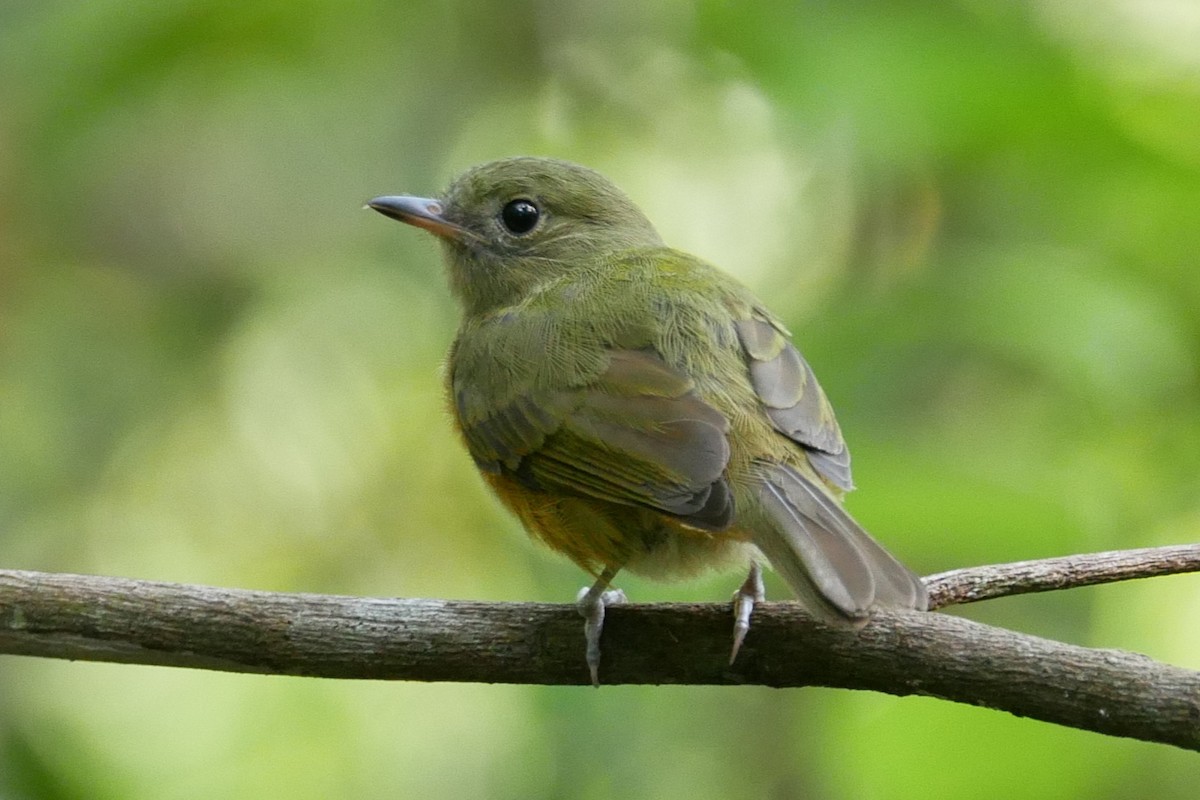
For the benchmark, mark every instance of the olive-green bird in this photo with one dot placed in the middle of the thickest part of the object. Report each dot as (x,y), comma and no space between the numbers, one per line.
(637,408)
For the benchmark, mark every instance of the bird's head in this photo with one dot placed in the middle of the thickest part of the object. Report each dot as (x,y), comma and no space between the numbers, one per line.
(508,226)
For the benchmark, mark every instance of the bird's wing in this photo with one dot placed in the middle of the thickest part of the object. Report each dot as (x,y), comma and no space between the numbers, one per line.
(818,548)
(793,399)
(636,433)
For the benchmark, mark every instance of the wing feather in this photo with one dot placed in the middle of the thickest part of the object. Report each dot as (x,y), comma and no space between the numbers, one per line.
(793,399)
(636,434)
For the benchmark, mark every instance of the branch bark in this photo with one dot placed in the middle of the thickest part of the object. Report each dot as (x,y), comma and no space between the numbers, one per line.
(973,584)
(1109,691)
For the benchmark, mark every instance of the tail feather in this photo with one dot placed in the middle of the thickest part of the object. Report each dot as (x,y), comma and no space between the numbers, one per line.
(824,555)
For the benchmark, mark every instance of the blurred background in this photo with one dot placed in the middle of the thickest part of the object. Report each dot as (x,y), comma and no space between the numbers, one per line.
(981,220)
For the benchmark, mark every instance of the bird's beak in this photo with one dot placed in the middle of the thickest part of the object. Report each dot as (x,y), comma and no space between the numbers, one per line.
(419,211)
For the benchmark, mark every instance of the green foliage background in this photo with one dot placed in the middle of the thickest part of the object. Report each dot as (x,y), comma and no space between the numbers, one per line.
(981,219)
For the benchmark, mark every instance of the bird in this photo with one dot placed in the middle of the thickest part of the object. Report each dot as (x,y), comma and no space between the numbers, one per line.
(635,407)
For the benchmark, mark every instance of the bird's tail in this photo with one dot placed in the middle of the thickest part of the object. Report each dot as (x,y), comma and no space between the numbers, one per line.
(826,557)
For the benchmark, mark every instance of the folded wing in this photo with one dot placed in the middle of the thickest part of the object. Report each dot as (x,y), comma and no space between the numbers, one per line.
(793,399)
(637,433)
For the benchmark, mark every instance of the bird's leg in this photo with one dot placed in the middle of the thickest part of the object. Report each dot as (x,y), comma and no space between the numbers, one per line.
(591,604)
(749,593)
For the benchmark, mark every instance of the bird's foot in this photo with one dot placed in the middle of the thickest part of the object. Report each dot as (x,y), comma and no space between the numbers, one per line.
(749,593)
(591,603)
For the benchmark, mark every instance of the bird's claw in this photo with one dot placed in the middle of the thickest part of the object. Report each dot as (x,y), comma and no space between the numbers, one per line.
(749,593)
(591,603)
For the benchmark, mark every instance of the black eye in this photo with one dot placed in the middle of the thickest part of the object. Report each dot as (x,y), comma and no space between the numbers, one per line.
(520,216)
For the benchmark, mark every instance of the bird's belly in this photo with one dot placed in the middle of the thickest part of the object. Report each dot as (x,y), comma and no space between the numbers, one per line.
(596,534)
(680,555)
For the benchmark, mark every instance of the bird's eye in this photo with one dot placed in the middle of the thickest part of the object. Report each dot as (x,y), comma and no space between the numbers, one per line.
(520,216)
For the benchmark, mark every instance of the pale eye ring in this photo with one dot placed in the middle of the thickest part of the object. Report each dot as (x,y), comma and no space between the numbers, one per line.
(520,216)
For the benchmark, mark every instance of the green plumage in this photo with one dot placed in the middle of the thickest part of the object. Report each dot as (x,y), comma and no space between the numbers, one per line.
(636,407)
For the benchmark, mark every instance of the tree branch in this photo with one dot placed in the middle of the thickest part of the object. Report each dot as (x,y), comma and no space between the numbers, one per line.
(973,584)
(1109,691)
